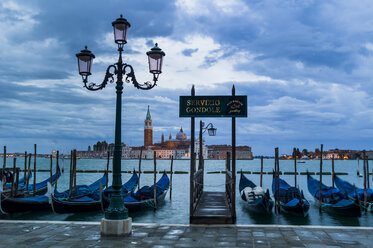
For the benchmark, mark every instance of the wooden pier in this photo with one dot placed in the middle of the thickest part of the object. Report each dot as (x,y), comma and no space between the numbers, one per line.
(213,208)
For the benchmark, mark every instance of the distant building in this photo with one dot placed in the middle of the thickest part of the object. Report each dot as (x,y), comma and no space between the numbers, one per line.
(220,152)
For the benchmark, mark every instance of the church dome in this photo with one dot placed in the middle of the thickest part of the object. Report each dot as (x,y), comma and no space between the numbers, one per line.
(181,135)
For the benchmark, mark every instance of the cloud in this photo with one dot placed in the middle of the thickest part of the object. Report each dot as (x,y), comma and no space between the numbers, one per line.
(306,67)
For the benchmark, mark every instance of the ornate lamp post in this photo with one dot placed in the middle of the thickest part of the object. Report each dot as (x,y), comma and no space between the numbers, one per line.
(202,129)
(116,209)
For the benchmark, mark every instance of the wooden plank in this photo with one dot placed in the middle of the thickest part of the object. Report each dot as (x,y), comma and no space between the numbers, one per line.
(212,209)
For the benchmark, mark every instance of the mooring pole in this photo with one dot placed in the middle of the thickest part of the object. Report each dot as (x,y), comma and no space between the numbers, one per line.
(57,168)
(172,167)
(278,181)
(14,176)
(234,159)
(138,183)
(50,170)
(192,163)
(320,190)
(368,183)
(365,180)
(28,172)
(34,186)
(333,173)
(107,168)
(74,171)
(295,166)
(155,180)
(25,172)
(4,158)
(71,174)
(261,171)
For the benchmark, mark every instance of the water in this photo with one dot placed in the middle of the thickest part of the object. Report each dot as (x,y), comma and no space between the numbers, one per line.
(177,209)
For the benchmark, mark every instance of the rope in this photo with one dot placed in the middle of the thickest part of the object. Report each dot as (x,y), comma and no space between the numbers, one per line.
(369,208)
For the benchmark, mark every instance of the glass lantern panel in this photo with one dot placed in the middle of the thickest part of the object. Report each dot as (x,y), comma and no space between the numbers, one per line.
(155,63)
(120,33)
(85,63)
(212,131)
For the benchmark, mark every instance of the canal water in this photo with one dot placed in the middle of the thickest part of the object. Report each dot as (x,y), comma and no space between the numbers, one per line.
(176,211)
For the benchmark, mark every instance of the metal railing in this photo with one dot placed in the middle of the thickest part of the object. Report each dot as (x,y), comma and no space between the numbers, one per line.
(198,189)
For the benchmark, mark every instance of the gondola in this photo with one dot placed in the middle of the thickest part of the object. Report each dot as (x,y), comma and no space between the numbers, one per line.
(84,198)
(26,201)
(258,200)
(92,200)
(292,200)
(333,200)
(353,191)
(144,197)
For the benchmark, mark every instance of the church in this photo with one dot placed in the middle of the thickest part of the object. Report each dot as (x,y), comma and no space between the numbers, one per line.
(179,147)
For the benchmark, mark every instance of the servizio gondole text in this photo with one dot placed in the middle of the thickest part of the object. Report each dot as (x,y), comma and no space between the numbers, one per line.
(203,106)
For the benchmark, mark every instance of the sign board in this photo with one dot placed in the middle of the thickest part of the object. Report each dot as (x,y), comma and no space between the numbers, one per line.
(213,106)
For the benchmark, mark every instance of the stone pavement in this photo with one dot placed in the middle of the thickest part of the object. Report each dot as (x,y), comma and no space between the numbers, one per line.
(87,234)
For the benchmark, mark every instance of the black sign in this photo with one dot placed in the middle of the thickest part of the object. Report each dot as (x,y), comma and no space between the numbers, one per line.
(213,106)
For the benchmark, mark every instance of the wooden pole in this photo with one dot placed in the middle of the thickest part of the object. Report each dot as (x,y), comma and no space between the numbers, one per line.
(261,171)
(28,172)
(200,146)
(368,181)
(192,163)
(71,174)
(50,170)
(17,182)
(4,164)
(234,159)
(34,185)
(365,181)
(155,180)
(25,172)
(74,173)
(295,166)
(172,167)
(14,176)
(57,168)
(320,190)
(107,167)
(277,180)
(138,184)
(333,173)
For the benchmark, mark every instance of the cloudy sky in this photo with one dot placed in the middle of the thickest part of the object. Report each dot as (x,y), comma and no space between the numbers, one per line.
(305,66)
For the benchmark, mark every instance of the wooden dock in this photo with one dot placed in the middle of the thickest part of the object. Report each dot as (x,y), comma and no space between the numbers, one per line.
(212,208)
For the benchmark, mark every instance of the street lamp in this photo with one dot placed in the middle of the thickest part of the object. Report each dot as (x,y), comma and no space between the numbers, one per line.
(116,209)
(202,129)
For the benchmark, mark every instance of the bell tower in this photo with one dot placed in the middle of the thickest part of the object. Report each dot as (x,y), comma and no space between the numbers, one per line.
(148,130)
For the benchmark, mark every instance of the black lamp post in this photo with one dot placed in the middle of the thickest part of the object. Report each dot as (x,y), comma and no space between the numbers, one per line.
(116,209)
(202,129)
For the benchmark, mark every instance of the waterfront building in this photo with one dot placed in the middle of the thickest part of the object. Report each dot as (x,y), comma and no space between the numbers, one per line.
(220,152)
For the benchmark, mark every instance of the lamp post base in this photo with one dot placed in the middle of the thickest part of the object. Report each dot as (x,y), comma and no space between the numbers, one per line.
(116,227)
